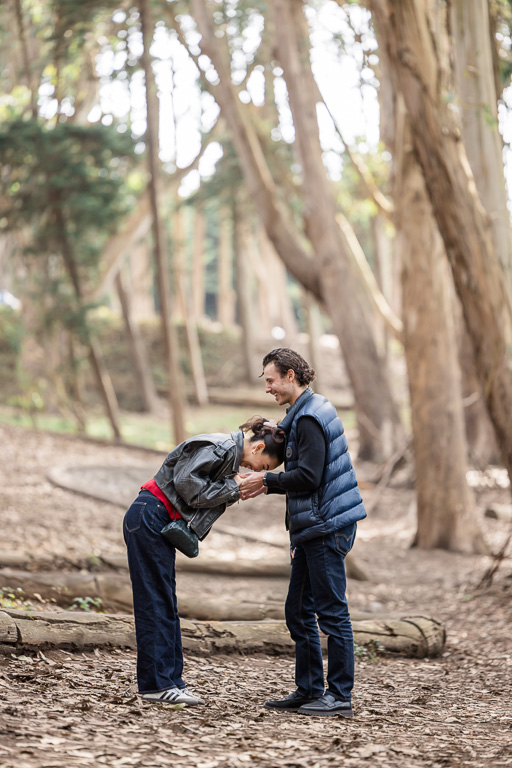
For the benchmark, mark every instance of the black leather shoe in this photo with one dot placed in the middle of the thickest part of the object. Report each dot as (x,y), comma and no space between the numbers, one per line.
(327,705)
(291,703)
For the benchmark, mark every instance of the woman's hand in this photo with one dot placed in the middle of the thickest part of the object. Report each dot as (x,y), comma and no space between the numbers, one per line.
(251,485)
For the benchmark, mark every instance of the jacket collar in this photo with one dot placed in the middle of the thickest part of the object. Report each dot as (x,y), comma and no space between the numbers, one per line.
(238,439)
(292,410)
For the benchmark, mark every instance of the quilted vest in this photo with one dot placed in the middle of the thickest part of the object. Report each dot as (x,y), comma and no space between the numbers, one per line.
(337,502)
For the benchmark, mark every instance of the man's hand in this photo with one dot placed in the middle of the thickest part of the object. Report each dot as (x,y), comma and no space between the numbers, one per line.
(251,485)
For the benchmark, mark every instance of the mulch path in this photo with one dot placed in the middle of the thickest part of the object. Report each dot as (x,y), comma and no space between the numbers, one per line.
(60,708)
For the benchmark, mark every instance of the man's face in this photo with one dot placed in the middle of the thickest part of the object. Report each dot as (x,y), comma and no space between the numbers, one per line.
(283,388)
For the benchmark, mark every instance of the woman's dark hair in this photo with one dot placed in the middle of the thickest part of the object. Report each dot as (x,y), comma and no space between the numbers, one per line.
(284,359)
(273,437)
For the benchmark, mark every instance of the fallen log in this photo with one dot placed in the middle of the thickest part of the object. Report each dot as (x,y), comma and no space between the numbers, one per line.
(65,588)
(202,564)
(416,636)
(62,587)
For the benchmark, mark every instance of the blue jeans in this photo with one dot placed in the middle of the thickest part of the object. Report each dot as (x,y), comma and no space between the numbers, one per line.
(151,560)
(317,589)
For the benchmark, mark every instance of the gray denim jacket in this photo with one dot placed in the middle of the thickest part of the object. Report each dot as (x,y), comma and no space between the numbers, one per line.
(198,478)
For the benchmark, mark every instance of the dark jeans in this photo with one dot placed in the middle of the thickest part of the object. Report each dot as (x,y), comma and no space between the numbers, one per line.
(317,589)
(152,570)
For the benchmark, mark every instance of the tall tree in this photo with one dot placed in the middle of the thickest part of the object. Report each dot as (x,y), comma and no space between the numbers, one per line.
(412,40)
(446,516)
(445,506)
(174,379)
(477,100)
(60,181)
(144,381)
(189,317)
(244,276)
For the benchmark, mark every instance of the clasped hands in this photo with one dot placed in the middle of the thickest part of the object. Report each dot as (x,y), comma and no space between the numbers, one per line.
(250,484)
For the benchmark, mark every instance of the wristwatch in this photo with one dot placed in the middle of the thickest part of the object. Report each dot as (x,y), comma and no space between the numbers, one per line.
(264,480)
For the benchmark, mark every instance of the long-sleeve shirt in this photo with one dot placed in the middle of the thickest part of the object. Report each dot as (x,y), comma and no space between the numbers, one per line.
(311,449)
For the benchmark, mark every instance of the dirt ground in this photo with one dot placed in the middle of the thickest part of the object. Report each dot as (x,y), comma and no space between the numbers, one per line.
(61,708)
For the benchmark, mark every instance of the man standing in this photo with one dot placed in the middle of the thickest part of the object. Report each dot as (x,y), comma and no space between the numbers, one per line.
(323,505)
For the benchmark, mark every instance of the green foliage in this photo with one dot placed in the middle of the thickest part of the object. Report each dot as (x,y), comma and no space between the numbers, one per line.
(501,14)
(67,181)
(73,20)
(11,331)
(14,598)
(369,652)
(69,169)
(87,604)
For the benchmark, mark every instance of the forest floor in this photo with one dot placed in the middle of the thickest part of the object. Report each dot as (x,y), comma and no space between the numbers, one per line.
(71,708)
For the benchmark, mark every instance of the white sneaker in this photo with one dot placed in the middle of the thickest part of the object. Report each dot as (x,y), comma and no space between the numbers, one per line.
(185,692)
(173,696)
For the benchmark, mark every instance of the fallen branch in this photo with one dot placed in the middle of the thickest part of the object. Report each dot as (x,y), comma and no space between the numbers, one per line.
(416,636)
(497,559)
(66,588)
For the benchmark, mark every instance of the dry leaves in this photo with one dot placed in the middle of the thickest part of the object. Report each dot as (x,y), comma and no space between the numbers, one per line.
(72,709)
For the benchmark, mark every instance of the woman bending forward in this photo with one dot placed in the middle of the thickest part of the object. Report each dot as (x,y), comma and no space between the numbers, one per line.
(197,481)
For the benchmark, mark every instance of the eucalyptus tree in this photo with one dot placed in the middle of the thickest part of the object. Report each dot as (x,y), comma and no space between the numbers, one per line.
(415,40)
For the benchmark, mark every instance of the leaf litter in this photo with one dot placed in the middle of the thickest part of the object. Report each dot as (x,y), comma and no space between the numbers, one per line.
(78,709)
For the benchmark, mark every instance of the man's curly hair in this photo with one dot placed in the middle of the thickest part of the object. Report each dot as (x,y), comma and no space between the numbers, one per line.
(284,359)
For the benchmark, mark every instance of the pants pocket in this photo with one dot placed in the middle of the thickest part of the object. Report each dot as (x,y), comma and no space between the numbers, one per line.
(345,538)
(133,517)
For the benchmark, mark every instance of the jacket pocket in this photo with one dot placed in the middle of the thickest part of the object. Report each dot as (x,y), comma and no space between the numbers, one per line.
(133,517)
(345,538)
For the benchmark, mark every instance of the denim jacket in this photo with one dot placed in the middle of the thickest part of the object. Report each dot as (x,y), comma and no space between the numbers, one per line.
(198,478)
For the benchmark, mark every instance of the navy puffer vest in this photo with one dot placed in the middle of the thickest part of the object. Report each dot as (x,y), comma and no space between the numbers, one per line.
(337,503)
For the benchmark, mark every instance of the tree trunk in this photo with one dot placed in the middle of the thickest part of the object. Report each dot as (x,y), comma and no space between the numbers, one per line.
(96,361)
(314,331)
(189,319)
(445,506)
(478,102)
(482,447)
(477,99)
(77,401)
(142,370)
(225,293)
(198,264)
(174,383)
(416,636)
(275,288)
(28,75)
(246,299)
(405,29)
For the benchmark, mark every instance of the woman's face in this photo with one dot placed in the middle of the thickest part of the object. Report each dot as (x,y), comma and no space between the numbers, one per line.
(256,459)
